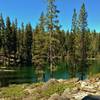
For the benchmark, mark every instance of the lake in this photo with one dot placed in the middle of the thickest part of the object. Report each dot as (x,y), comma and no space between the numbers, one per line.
(18,75)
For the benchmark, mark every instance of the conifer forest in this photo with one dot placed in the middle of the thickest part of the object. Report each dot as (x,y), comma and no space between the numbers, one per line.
(48,46)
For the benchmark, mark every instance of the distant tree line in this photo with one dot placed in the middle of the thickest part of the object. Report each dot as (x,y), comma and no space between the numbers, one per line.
(47,43)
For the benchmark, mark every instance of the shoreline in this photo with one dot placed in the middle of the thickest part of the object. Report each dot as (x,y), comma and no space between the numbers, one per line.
(72,89)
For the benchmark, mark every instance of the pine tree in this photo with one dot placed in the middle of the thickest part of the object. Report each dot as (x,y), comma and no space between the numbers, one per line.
(66,47)
(61,36)
(40,46)
(83,29)
(16,34)
(21,48)
(28,44)
(8,40)
(74,22)
(18,54)
(42,23)
(52,25)
(13,42)
(8,36)
(2,39)
(98,43)
(14,38)
(2,33)
(72,47)
(22,39)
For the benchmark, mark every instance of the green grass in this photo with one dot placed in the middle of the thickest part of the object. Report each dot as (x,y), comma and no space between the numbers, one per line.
(51,89)
(17,91)
(94,75)
(12,91)
(57,88)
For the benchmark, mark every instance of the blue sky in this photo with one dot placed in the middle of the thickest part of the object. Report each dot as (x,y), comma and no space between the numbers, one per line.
(30,10)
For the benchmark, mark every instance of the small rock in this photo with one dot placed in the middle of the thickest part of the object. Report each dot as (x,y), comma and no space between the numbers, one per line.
(97,79)
(75,90)
(52,81)
(36,96)
(83,84)
(79,95)
(55,97)
(97,93)
(74,80)
(65,98)
(66,94)
(49,83)
(89,90)
(61,80)
(27,91)
(66,91)
(2,99)
(27,98)
(98,83)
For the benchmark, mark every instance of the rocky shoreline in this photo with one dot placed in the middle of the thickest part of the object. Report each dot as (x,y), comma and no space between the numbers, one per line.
(73,89)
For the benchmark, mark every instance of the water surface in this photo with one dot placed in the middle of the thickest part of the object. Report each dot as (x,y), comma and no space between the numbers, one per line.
(27,74)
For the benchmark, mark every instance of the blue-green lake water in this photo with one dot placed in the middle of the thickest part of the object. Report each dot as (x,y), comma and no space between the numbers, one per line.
(17,75)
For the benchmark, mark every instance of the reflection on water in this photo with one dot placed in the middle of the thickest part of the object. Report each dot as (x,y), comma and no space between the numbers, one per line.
(17,75)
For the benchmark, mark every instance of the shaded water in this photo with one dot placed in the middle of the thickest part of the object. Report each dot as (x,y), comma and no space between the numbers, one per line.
(17,75)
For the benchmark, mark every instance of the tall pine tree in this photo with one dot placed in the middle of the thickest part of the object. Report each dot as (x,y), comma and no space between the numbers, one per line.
(52,26)
(72,45)
(83,47)
(28,44)
(2,33)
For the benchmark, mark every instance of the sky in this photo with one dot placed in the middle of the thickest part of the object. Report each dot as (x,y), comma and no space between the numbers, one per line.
(30,11)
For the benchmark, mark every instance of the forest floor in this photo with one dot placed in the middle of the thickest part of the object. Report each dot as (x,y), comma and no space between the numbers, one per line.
(72,89)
